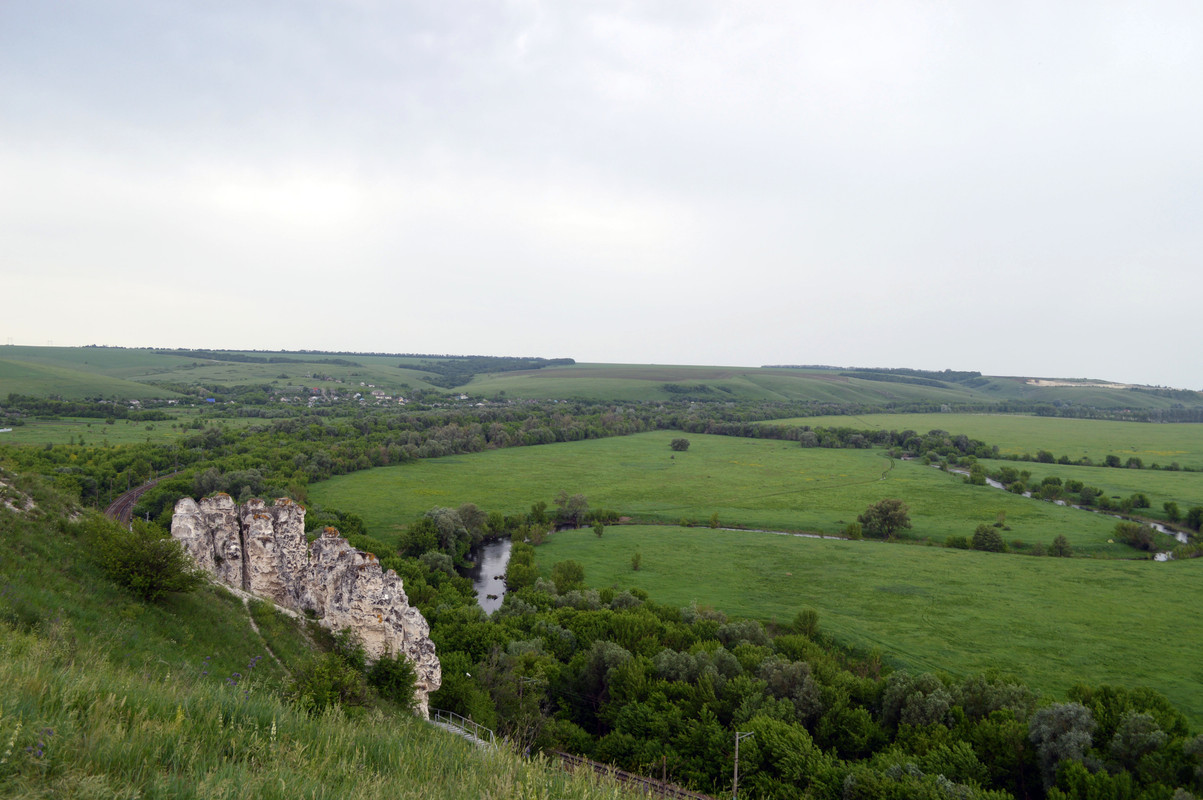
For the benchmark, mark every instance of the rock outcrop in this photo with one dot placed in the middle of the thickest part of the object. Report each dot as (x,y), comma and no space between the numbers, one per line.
(262,550)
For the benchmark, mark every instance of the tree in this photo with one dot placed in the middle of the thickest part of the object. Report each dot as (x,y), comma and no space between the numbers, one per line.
(1061,547)
(680,445)
(885,518)
(1059,732)
(1172,512)
(988,538)
(599,528)
(1135,535)
(572,508)
(567,575)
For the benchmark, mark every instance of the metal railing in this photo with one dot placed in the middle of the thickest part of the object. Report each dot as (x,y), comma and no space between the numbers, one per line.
(648,785)
(464,724)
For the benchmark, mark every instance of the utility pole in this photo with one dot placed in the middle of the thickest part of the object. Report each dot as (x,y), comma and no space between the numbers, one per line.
(735,779)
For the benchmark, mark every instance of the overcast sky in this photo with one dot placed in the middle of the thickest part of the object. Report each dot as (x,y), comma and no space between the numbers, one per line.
(1012,187)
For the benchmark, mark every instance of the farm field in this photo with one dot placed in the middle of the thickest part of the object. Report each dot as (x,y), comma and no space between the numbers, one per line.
(77,372)
(94,432)
(1015,434)
(647,382)
(1050,621)
(753,483)
(44,380)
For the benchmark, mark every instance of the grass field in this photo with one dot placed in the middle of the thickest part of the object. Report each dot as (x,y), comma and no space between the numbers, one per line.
(1015,434)
(78,372)
(89,371)
(646,382)
(1050,621)
(1183,488)
(94,432)
(755,483)
(102,695)
(41,380)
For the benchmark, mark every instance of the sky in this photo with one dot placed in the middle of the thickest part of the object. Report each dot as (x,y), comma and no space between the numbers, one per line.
(1014,188)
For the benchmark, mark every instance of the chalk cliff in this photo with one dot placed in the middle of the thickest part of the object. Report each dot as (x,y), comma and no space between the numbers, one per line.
(262,549)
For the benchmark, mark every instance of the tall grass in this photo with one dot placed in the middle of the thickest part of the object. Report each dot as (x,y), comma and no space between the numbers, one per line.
(81,726)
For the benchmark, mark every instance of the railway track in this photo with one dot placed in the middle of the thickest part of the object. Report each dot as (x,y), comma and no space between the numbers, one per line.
(122,509)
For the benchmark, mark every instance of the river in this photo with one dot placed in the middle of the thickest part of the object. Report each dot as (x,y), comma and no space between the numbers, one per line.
(488,576)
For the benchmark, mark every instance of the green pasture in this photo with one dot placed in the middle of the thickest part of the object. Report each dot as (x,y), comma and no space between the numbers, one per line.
(1153,443)
(294,376)
(78,372)
(753,483)
(1049,621)
(1183,488)
(48,380)
(95,432)
(646,382)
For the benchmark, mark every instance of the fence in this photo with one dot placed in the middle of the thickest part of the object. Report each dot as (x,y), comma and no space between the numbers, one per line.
(464,724)
(646,784)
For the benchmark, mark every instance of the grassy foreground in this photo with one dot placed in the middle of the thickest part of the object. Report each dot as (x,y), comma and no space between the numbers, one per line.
(754,483)
(75,725)
(1051,622)
(104,696)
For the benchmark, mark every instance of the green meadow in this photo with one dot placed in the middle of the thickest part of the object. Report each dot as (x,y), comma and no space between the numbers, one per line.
(103,695)
(1050,621)
(96,432)
(648,382)
(1160,486)
(751,483)
(1153,443)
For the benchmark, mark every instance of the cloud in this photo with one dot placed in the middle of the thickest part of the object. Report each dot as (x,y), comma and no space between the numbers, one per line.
(1008,188)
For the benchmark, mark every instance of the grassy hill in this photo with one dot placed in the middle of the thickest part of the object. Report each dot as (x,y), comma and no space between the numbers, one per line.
(104,695)
(90,371)
(46,380)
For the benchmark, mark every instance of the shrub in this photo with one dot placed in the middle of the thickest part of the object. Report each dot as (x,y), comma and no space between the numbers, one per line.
(807,622)
(1061,547)
(1135,535)
(679,445)
(325,680)
(143,559)
(988,539)
(885,518)
(393,678)
(957,542)
(636,561)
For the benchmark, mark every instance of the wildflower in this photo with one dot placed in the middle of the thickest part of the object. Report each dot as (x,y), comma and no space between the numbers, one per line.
(12,740)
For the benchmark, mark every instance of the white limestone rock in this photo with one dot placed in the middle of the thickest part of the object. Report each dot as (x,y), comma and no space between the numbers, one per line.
(262,549)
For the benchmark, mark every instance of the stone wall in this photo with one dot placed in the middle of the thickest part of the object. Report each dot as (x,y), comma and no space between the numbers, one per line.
(262,550)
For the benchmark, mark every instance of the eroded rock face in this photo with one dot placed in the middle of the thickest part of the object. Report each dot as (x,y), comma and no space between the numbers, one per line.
(262,549)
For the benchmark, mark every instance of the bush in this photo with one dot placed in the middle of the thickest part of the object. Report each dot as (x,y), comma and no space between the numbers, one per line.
(143,559)
(325,680)
(806,622)
(1061,547)
(1135,535)
(957,542)
(885,518)
(679,445)
(393,678)
(988,539)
